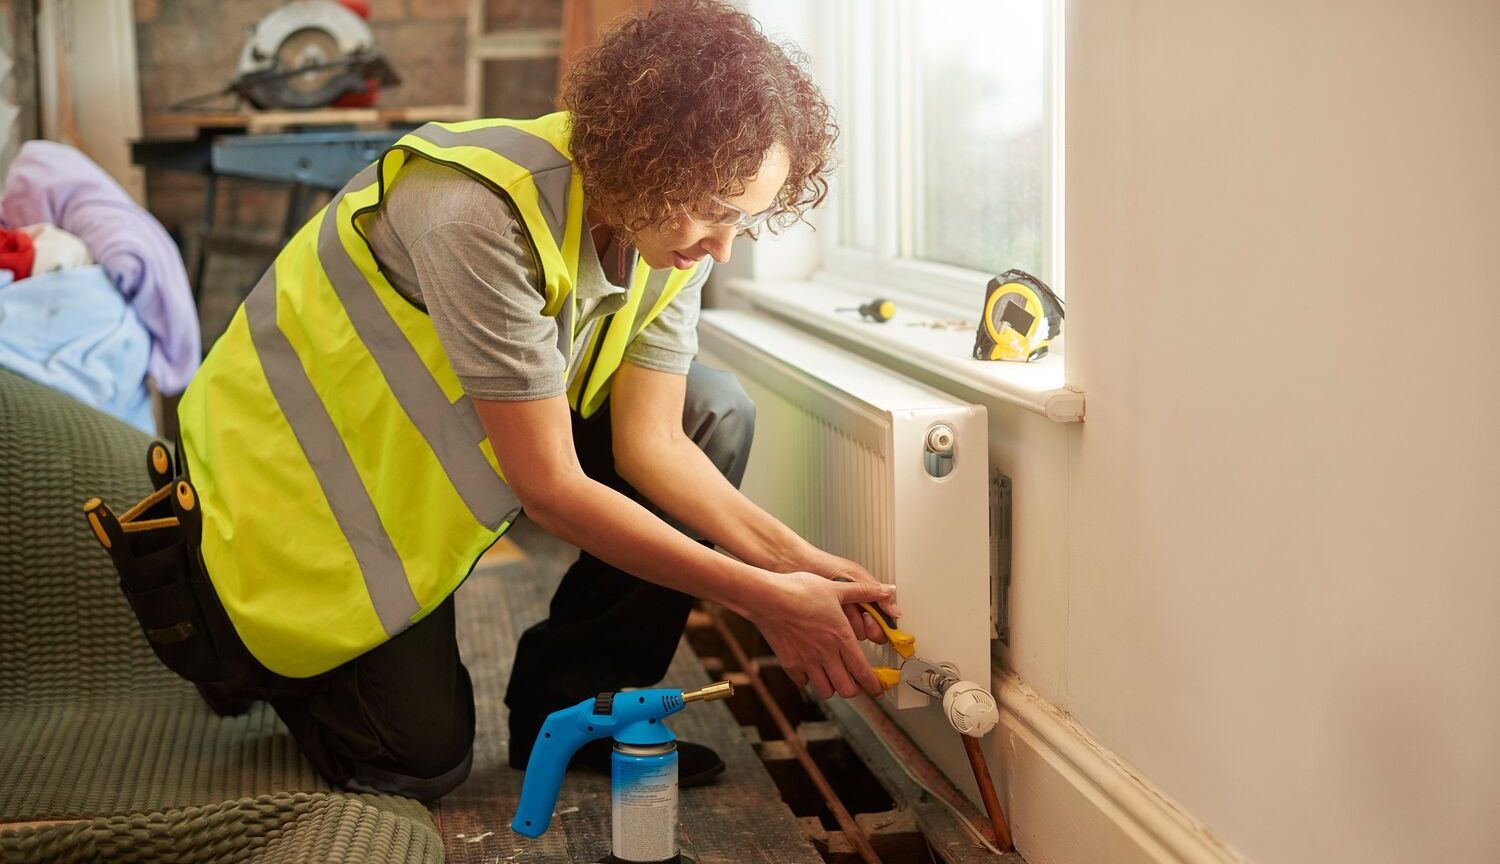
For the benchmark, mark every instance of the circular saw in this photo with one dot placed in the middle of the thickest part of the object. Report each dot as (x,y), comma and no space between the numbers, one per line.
(308,54)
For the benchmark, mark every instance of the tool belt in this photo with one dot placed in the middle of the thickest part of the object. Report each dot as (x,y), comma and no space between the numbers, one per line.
(155,547)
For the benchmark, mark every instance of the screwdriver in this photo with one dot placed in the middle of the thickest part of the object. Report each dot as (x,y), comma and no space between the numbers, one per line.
(879,310)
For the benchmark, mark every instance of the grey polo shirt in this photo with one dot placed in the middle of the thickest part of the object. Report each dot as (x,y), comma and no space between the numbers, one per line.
(448,240)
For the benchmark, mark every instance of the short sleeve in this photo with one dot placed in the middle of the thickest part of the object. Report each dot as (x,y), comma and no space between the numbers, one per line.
(670,342)
(487,313)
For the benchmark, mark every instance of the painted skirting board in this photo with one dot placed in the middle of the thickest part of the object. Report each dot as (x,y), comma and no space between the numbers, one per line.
(1071,800)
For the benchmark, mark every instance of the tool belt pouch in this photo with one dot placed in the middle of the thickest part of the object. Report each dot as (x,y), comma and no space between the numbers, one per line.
(153,548)
(158,586)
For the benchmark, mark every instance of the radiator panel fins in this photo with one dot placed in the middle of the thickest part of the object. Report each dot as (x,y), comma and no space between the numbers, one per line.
(839,500)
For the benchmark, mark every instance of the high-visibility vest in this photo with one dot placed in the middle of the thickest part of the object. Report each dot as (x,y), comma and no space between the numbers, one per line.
(347,485)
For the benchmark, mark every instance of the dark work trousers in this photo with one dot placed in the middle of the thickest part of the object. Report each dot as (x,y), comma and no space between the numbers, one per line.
(397,719)
(606,629)
(400,718)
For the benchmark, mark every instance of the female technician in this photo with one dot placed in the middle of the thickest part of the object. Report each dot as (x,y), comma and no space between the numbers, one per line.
(498,316)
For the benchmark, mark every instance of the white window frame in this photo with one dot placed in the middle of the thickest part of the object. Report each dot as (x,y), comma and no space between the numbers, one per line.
(891,264)
(812,280)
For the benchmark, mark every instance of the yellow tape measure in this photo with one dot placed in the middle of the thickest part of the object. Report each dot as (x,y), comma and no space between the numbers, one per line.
(1021,318)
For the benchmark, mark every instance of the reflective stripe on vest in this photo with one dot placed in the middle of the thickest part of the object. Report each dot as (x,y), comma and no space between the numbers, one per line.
(346,482)
(384,575)
(420,396)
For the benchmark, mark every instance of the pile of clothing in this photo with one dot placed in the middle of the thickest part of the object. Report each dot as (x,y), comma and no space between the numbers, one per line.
(93,293)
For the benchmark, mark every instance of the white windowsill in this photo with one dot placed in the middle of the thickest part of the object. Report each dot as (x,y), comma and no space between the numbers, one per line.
(909,339)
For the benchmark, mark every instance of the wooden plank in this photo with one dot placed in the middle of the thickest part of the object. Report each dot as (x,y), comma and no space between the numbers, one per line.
(740,818)
(24,68)
(736,820)
(476,816)
(168,123)
(473,80)
(577,32)
(945,832)
(540,44)
(584,21)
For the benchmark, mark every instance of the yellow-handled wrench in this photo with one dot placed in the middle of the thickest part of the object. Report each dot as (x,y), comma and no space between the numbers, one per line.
(903,642)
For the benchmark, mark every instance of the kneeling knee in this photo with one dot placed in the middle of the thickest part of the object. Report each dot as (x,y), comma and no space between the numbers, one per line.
(720,418)
(425,776)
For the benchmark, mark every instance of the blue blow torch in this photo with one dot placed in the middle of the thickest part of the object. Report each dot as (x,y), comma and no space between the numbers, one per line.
(643,769)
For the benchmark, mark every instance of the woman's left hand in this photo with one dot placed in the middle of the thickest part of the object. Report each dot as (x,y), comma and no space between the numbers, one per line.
(864,625)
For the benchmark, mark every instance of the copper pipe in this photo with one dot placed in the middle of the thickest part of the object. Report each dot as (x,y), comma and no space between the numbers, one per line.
(927,774)
(851,829)
(987,793)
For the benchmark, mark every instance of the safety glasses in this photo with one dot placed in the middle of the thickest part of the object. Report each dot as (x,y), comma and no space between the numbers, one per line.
(721,212)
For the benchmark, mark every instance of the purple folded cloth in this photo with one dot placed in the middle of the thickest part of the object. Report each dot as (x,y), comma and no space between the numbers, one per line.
(52,182)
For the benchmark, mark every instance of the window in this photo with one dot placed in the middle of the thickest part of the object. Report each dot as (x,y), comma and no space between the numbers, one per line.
(950,147)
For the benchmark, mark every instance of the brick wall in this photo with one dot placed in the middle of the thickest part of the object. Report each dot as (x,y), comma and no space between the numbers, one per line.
(189,48)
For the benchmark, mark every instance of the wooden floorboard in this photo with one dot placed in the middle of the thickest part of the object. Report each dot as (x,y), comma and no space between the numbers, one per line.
(737,820)
(946,835)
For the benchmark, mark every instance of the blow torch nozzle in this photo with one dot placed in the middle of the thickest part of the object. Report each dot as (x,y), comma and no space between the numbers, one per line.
(719,690)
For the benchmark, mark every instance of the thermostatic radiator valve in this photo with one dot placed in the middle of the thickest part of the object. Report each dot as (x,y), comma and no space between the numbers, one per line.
(969,707)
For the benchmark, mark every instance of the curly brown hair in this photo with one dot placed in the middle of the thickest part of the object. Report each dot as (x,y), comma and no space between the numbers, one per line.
(684,101)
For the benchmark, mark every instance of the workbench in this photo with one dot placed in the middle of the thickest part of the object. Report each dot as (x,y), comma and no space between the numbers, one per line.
(312,153)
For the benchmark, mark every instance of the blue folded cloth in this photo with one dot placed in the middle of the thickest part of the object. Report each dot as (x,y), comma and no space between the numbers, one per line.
(52,182)
(72,331)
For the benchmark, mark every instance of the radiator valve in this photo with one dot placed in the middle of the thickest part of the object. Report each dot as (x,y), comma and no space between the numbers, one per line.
(970,708)
(940,438)
(937,450)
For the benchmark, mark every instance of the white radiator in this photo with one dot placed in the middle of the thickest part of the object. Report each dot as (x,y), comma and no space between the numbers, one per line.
(841,455)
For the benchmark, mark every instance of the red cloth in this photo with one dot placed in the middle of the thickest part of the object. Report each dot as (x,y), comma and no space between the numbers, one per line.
(16,253)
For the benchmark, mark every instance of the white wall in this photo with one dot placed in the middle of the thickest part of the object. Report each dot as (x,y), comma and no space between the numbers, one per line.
(1283,573)
(1264,573)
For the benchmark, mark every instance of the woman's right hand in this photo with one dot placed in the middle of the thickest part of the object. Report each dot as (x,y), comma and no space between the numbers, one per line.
(805,624)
